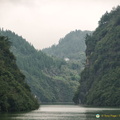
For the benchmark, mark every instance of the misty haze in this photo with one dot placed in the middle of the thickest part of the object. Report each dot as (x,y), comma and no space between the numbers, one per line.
(59,59)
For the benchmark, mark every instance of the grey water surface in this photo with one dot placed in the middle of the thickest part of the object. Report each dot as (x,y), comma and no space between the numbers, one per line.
(65,112)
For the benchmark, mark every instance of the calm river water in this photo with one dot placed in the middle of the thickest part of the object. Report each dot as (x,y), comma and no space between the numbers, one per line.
(65,112)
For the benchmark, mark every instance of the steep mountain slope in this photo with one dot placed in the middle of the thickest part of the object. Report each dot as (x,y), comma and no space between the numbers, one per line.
(72,46)
(100,80)
(50,79)
(15,94)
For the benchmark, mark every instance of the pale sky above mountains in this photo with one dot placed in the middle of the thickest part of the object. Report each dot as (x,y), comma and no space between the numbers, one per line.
(44,22)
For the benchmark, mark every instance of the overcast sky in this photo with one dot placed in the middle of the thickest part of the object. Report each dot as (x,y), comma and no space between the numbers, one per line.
(44,22)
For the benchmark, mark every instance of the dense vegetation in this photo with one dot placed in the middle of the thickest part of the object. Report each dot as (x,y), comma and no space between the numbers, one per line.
(15,94)
(72,46)
(100,80)
(50,79)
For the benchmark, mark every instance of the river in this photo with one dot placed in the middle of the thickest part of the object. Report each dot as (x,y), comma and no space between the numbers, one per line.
(65,112)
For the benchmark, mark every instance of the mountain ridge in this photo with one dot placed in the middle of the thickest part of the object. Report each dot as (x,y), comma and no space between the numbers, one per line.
(50,79)
(100,80)
(73,43)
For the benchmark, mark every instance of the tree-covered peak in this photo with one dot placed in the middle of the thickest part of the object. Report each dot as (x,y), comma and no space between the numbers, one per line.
(72,46)
(100,80)
(113,14)
(51,79)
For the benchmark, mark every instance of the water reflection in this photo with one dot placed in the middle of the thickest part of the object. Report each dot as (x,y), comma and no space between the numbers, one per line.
(65,112)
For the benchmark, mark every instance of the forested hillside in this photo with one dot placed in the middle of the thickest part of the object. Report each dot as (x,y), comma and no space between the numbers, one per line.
(15,94)
(50,79)
(72,49)
(100,80)
(72,46)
